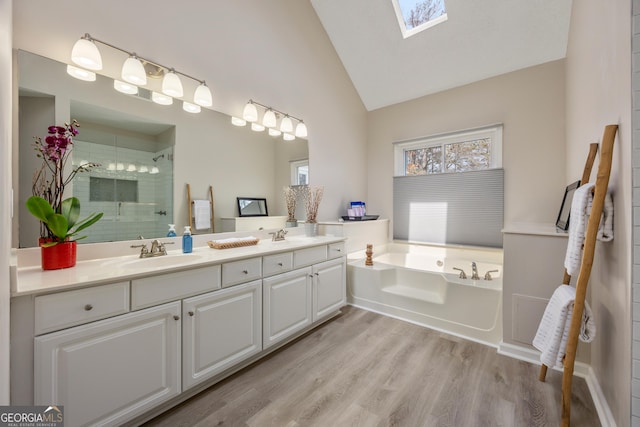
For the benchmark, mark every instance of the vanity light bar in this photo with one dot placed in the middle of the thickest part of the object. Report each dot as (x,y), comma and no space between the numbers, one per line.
(85,53)
(269,121)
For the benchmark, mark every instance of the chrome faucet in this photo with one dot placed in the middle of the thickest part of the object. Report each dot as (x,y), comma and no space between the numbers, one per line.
(487,275)
(157,249)
(474,271)
(278,235)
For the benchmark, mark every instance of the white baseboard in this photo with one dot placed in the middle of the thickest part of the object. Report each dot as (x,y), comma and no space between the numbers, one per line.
(580,369)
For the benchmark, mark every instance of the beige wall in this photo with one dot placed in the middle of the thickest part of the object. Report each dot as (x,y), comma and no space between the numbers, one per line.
(530,104)
(275,52)
(598,82)
(5,194)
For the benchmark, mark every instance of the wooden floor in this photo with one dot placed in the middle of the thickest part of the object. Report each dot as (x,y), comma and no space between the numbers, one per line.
(364,369)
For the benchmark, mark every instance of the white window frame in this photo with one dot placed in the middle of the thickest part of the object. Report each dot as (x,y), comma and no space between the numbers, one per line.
(494,132)
(295,165)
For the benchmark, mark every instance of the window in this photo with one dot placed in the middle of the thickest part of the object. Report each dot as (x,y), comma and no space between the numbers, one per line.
(417,15)
(463,151)
(300,172)
(112,190)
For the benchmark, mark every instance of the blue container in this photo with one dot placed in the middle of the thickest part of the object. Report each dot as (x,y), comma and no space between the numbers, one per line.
(187,240)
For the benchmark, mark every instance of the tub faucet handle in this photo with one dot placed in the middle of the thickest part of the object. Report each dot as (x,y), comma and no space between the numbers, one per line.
(463,275)
(487,275)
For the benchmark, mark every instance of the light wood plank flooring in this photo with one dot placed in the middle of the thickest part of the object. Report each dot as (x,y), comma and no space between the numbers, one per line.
(364,369)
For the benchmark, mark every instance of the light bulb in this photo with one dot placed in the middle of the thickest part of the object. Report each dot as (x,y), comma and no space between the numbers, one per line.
(237,121)
(250,112)
(286,126)
(161,99)
(301,130)
(154,170)
(86,54)
(257,127)
(124,87)
(288,137)
(171,85)
(274,132)
(190,108)
(269,119)
(143,169)
(133,71)
(203,96)
(81,74)
(131,167)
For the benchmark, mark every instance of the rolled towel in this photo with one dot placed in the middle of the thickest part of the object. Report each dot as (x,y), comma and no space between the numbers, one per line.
(577,228)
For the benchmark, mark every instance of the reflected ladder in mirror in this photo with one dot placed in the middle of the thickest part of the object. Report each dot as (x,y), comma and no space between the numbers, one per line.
(190,203)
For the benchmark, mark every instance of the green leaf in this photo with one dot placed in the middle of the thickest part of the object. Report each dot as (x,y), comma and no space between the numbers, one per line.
(58,225)
(87,222)
(70,210)
(39,208)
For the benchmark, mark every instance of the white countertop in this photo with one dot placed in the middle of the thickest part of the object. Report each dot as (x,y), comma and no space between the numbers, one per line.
(33,280)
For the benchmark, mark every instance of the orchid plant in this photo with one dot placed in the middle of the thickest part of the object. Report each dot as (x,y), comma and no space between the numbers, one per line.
(58,216)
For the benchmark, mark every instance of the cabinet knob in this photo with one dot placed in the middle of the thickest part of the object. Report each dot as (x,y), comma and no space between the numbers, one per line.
(191,313)
(311,275)
(245,271)
(88,307)
(339,250)
(280,264)
(176,317)
(317,274)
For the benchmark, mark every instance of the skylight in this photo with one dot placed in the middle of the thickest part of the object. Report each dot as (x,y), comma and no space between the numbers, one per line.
(418,15)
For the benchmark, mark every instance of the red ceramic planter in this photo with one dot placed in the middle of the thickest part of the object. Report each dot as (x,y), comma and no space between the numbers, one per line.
(62,255)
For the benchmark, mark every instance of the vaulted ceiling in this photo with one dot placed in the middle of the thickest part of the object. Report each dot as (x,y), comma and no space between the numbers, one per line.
(480,39)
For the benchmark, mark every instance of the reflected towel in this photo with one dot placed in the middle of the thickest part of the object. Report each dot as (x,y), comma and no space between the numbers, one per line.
(577,228)
(605,229)
(553,331)
(202,214)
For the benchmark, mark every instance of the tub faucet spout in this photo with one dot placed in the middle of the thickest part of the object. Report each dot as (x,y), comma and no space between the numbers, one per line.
(474,271)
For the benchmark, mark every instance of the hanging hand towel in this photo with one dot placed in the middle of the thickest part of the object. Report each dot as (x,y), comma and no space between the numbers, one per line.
(577,228)
(605,229)
(202,214)
(553,331)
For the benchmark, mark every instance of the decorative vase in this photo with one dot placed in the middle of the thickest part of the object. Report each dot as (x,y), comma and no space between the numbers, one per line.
(62,255)
(291,223)
(311,229)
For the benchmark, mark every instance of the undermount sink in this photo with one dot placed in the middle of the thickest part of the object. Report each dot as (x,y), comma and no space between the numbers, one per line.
(156,262)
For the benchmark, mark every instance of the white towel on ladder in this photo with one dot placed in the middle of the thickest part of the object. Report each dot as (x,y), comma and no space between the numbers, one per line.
(202,214)
(577,228)
(605,230)
(553,331)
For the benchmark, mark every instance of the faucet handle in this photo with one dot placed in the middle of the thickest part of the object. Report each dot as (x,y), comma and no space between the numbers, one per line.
(487,275)
(463,275)
(143,250)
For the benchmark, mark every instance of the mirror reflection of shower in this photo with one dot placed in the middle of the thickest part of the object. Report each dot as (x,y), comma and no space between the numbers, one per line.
(161,156)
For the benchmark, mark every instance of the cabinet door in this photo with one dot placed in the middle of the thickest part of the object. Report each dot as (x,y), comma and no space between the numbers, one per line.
(287,305)
(220,329)
(329,287)
(109,371)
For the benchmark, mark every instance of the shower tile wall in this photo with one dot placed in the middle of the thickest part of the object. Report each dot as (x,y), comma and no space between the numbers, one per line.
(635,83)
(125,220)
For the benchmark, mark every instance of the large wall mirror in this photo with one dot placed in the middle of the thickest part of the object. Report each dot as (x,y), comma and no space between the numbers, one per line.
(148,154)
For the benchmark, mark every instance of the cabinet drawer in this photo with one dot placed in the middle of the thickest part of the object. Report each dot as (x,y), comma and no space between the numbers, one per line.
(336,250)
(279,263)
(308,256)
(64,309)
(170,287)
(241,271)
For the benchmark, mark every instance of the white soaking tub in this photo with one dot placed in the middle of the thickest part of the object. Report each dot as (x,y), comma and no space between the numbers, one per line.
(418,283)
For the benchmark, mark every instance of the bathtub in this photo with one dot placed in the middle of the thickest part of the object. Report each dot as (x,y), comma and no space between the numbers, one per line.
(418,283)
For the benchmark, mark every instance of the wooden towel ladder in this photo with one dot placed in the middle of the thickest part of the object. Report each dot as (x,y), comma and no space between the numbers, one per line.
(190,208)
(600,191)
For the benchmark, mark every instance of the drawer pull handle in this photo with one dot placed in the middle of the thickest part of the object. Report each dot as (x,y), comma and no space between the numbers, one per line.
(88,307)
(245,271)
(176,317)
(191,313)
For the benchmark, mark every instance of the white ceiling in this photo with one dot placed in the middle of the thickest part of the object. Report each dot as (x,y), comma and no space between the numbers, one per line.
(480,39)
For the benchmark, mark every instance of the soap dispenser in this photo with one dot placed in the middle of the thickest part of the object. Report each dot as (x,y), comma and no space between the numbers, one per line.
(187,240)
(172,230)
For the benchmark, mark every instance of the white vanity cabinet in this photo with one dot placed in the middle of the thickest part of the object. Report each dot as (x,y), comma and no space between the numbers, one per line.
(108,371)
(329,287)
(287,305)
(220,329)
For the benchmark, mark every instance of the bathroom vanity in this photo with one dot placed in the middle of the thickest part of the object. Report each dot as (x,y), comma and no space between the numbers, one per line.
(121,338)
